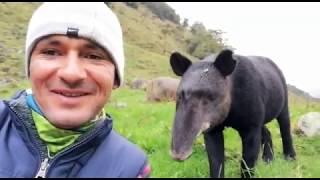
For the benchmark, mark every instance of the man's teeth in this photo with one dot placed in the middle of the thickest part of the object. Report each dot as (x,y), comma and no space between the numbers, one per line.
(72,94)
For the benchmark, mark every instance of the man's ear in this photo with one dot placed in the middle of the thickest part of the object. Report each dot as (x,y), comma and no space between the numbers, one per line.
(115,86)
(116,82)
(225,62)
(179,63)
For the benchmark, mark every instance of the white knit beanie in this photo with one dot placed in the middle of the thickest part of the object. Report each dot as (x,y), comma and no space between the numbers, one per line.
(94,21)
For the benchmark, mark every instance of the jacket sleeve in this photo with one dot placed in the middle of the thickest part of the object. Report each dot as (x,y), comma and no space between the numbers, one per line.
(3,113)
(145,171)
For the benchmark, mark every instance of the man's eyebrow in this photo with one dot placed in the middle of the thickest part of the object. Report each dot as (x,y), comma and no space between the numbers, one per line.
(52,42)
(92,46)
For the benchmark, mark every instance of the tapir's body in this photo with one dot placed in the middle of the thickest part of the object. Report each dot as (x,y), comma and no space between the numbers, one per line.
(235,91)
(258,90)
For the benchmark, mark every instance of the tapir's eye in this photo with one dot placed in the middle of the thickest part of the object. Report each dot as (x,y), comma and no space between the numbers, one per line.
(203,95)
(182,95)
(205,101)
(209,97)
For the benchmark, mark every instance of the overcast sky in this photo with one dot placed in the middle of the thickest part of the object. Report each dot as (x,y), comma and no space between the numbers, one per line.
(288,33)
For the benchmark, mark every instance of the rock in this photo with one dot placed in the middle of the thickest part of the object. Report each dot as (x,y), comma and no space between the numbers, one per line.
(120,105)
(139,84)
(162,89)
(4,82)
(309,124)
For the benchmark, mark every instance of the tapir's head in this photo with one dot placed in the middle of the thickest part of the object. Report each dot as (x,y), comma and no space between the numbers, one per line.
(203,98)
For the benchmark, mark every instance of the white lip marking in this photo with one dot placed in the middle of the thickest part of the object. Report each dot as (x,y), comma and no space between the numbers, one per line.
(204,127)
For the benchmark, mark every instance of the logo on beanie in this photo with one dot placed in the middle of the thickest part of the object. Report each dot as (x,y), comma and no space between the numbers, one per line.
(73,32)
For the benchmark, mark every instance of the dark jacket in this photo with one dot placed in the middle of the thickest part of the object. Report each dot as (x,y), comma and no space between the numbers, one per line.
(101,152)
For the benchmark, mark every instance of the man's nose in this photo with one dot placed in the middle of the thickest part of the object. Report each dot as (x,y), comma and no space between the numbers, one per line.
(72,71)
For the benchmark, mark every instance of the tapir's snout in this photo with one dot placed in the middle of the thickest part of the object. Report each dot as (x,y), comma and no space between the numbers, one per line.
(180,156)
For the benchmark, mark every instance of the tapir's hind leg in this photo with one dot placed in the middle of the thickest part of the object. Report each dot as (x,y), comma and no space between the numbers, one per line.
(266,143)
(284,123)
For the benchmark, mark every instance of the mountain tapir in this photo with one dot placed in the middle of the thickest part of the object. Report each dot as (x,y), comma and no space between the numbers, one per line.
(229,90)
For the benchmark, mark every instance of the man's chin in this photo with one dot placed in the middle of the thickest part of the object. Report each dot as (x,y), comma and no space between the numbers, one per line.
(68,121)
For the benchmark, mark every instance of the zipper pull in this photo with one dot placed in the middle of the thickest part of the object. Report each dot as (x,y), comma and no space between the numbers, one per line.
(43,169)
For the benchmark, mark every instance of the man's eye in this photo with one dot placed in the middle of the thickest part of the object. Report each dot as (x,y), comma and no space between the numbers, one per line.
(93,56)
(50,52)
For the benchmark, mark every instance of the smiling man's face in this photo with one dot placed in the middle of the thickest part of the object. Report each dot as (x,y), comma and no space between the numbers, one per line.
(71,79)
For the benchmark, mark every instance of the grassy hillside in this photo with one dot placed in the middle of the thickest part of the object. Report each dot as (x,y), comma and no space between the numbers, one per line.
(144,29)
(145,64)
(13,25)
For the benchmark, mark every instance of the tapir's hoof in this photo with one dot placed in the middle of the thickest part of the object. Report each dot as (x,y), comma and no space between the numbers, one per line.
(290,157)
(180,156)
(267,159)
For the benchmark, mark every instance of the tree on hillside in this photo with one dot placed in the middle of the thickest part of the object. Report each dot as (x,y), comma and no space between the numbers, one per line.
(132,4)
(185,23)
(204,42)
(163,11)
(198,28)
(108,3)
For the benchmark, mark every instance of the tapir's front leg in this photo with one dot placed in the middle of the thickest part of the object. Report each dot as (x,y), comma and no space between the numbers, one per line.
(215,149)
(251,140)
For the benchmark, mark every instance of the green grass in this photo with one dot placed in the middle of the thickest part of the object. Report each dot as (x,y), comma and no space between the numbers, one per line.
(149,125)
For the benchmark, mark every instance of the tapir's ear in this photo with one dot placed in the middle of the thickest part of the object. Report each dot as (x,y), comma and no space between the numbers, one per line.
(179,63)
(225,62)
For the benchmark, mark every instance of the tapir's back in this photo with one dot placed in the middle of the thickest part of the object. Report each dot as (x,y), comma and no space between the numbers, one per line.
(257,83)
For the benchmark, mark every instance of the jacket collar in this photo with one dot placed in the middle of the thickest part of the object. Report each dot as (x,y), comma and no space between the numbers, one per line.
(18,104)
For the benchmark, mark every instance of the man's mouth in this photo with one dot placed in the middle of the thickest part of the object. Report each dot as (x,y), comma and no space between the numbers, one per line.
(68,93)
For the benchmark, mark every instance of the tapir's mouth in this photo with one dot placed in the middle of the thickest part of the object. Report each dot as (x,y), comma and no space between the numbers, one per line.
(180,156)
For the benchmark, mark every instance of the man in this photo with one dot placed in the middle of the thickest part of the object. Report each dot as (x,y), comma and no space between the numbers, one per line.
(58,128)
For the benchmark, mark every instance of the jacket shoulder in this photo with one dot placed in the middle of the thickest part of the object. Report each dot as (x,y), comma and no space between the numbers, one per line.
(116,157)
(3,111)
(126,147)
(126,152)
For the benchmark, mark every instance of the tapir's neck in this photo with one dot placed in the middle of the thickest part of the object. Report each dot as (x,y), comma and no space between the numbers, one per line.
(225,105)
(228,96)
